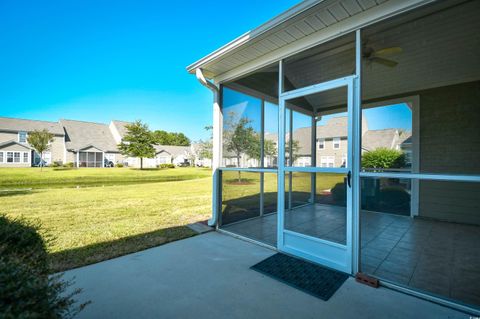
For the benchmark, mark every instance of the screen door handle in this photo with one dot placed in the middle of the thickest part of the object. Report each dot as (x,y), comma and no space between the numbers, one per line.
(349,177)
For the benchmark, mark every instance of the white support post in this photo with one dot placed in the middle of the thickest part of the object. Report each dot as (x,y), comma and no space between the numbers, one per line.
(281,160)
(290,157)
(313,158)
(217,158)
(262,157)
(103,159)
(78,159)
(357,153)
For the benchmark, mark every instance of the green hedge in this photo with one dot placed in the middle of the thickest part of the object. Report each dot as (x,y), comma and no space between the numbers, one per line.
(26,289)
(166,166)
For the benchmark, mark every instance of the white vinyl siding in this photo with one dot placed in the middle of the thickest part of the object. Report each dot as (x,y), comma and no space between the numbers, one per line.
(336,143)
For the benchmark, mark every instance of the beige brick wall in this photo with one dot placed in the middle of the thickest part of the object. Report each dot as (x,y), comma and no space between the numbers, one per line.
(450,144)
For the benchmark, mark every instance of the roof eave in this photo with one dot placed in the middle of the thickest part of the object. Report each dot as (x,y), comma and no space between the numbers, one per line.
(253,34)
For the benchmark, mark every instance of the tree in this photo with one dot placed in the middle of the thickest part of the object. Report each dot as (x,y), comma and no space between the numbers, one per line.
(138,142)
(383,158)
(40,141)
(240,138)
(205,148)
(166,138)
(295,150)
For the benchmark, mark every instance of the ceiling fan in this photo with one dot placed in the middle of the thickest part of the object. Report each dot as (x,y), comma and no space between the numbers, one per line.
(379,56)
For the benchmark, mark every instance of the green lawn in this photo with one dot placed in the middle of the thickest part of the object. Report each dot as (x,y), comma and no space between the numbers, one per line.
(91,224)
(97,214)
(11,178)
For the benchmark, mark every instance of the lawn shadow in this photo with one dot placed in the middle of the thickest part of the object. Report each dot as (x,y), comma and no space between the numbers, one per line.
(90,254)
(16,192)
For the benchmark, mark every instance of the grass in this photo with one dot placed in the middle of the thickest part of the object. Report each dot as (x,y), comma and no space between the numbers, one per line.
(14,178)
(134,209)
(97,223)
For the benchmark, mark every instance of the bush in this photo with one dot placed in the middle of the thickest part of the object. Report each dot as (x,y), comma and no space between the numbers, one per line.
(68,165)
(27,290)
(57,164)
(165,166)
(383,158)
(119,165)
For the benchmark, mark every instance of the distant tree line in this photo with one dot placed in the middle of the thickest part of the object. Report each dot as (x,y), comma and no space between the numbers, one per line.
(170,138)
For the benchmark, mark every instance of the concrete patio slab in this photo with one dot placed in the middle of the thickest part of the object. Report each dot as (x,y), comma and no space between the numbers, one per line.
(208,276)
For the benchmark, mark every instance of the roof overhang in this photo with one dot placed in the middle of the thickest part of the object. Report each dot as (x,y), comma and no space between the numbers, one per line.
(299,28)
(15,143)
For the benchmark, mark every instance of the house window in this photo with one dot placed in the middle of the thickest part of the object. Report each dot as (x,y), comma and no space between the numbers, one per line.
(9,157)
(336,143)
(16,157)
(1,157)
(25,157)
(327,161)
(321,143)
(22,137)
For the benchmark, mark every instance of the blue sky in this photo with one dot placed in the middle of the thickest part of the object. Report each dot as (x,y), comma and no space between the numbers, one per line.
(124,60)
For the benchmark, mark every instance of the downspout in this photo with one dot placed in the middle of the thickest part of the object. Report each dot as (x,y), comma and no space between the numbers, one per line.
(217,129)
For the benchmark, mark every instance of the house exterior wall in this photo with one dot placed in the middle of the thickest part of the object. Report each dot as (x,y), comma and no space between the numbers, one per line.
(57,147)
(329,151)
(450,144)
(15,148)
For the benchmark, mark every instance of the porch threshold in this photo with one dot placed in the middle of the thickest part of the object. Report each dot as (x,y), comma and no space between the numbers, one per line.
(209,276)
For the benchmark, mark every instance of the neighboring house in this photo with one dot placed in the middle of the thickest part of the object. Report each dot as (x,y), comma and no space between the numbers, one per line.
(164,154)
(15,150)
(86,144)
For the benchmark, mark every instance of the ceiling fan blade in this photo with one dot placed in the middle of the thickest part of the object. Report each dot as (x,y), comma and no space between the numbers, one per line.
(387,51)
(383,61)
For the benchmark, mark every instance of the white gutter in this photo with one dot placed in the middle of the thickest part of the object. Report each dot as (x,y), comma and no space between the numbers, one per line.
(217,139)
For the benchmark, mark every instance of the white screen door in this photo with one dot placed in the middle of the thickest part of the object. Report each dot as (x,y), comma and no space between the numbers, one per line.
(315,202)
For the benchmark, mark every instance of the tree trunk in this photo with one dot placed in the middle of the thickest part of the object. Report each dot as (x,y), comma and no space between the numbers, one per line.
(239,173)
(141,163)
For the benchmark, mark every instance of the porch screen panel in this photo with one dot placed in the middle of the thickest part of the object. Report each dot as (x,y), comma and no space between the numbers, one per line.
(421,85)
(98,159)
(433,248)
(270,135)
(324,62)
(425,66)
(321,214)
(241,129)
(240,196)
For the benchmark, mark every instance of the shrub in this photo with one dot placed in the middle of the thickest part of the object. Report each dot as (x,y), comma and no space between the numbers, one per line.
(383,158)
(27,290)
(166,166)
(119,165)
(68,165)
(57,164)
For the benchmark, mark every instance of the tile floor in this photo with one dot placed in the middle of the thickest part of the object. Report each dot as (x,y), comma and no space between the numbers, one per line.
(438,257)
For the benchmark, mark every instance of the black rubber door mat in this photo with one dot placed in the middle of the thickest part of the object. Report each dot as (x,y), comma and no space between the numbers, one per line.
(311,278)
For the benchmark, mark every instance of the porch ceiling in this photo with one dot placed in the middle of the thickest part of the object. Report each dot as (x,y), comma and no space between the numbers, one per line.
(309,19)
